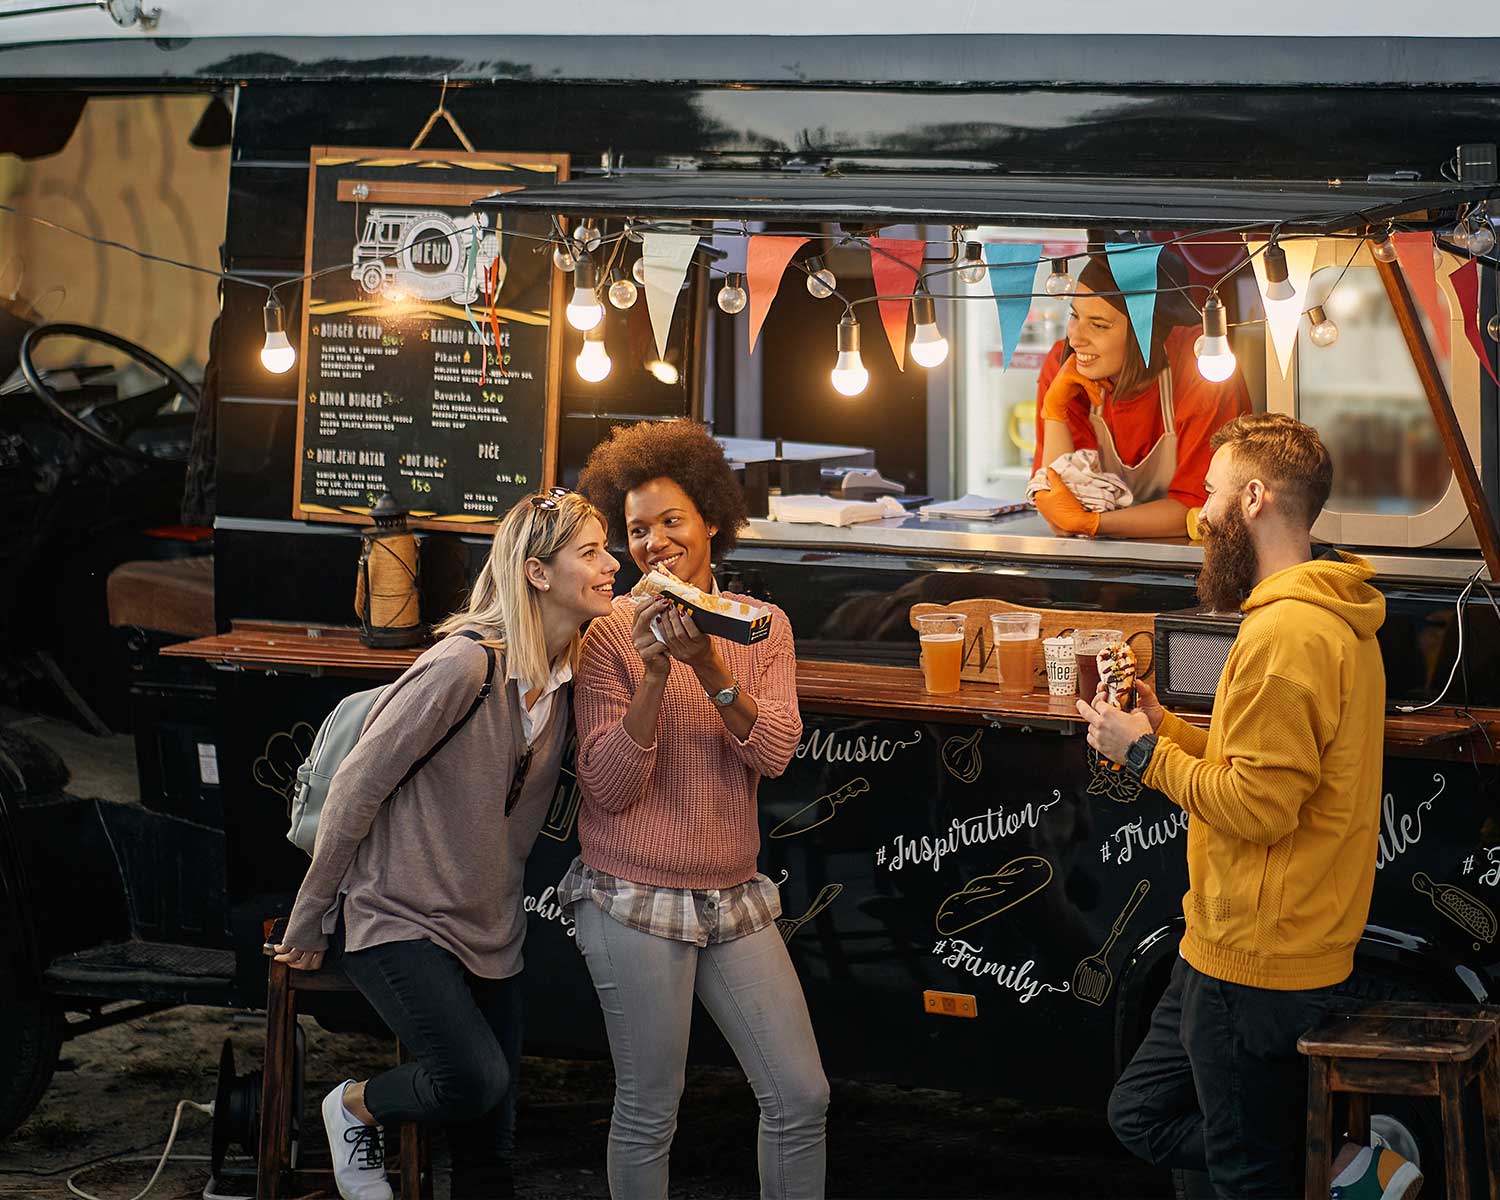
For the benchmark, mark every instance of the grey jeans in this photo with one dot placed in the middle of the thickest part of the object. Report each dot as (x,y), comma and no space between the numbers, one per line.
(646,986)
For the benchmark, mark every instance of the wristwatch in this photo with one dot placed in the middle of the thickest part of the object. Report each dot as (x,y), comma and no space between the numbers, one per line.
(1138,756)
(725,696)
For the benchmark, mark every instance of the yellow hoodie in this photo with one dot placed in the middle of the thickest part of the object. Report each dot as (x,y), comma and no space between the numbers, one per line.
(1283,789)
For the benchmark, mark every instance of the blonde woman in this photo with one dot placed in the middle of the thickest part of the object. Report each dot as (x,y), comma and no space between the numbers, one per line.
(420,891)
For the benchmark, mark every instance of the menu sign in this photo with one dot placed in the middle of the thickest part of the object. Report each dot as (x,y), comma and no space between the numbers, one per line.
(430,350)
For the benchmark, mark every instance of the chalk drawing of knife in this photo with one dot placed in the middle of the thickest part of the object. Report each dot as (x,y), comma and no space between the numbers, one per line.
(821,810)
(822,900)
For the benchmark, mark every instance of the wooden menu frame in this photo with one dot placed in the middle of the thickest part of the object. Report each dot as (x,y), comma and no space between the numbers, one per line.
(423,184)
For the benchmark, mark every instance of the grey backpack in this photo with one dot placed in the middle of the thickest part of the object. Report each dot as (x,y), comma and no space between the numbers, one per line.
(337,736)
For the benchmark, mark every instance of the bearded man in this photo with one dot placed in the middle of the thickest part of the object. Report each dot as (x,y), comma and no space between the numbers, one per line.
(1283,795)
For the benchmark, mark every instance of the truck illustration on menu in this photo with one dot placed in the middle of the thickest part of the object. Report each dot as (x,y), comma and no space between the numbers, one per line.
(423,253)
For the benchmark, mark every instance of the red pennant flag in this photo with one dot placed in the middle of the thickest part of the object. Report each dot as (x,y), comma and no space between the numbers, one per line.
(1465,283)
(895,264)
(766,258)
(1414,250)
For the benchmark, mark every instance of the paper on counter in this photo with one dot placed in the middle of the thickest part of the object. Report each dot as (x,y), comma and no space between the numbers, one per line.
(829,510)
(971,506)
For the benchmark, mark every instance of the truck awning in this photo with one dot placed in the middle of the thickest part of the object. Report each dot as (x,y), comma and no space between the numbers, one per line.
(895,199)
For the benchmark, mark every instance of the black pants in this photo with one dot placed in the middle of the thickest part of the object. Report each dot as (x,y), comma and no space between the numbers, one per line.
(464,1036)
(1218,1084)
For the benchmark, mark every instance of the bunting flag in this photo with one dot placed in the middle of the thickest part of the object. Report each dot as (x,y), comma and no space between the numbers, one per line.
(895,264)
(1465,283)
(1283,317)
(1013,268)
(666,257)
(766,258)
(1133,264)
(1414,252)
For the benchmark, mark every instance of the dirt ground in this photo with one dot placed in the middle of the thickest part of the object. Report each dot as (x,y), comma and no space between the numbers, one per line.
(115,1091)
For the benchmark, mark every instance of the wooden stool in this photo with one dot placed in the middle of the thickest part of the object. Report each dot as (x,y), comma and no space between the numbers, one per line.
(1392,1048)
(274,1176)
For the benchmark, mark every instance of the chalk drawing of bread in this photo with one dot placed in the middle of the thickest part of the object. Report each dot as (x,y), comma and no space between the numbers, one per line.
(990,895)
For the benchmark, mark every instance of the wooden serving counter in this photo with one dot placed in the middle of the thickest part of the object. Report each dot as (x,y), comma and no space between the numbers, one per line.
(854,689)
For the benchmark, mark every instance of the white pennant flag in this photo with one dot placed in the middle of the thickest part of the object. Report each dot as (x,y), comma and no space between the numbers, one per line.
(666,257)
(1284,316)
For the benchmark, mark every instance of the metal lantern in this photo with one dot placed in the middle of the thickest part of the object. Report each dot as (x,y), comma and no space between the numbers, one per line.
(386,594)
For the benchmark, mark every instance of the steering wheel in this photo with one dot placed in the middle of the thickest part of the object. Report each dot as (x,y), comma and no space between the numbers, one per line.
(175,384)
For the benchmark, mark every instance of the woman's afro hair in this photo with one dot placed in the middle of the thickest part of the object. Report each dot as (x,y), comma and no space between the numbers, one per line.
(683,451)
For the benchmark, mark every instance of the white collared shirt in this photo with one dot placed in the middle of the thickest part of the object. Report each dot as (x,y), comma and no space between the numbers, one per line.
(534,719)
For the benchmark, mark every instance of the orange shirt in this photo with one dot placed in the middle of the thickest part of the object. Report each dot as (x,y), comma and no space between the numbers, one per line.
(1200,407)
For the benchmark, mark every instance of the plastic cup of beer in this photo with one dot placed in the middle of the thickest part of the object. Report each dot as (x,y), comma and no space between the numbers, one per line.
(1062,666)
(942,639)
(1016,638)
(1086,646)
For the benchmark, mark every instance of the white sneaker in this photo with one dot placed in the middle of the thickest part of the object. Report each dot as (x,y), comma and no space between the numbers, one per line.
(358,1154)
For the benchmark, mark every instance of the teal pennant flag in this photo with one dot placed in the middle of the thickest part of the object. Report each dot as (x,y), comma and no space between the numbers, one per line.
(1012,278)
(1133,264)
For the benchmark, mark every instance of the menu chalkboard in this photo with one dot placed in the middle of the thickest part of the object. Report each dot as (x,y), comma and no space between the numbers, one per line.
(430,348)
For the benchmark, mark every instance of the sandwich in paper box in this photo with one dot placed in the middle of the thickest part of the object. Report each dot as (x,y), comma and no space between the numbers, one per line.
(728,619)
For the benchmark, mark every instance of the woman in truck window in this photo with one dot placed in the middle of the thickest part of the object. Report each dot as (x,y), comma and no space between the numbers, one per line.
(420,891)
(674,734)
(1150,422)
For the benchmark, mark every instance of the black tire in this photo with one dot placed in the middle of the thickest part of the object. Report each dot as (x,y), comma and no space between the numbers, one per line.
(31,1033)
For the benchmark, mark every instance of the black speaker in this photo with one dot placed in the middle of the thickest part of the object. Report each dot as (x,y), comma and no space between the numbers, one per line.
(1191,649)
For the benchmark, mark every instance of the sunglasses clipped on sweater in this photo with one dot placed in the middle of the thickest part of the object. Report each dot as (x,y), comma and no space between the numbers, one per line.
(517,781)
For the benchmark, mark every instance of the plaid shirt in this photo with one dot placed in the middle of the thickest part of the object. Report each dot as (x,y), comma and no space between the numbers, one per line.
(702,916)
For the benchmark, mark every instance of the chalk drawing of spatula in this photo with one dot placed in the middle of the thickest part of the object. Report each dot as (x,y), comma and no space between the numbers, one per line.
(1092,979)
(827,896)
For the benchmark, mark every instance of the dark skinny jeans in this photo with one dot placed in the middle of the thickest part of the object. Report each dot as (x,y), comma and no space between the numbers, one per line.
(463,1033)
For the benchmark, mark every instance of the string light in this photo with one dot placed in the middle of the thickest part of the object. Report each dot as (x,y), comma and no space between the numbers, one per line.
(1215,358)
(663,371)
(732,296)
(638,270)
(277,355)
(1384,249)
(1059,282)
(1323,331)
(821,282)
(593,360)
(588,236)
(1278,285)
(849,375)
(1492,327)
(1481,236)
(929,348)
(622,292)
(584,309)
(973,267)
(563,257)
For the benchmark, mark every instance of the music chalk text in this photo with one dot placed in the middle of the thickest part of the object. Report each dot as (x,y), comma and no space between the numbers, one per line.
(836,747)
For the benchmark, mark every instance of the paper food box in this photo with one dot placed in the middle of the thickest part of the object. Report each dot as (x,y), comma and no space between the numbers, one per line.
(729,619)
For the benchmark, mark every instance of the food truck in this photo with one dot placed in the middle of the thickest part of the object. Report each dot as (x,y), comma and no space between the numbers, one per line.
(970,903)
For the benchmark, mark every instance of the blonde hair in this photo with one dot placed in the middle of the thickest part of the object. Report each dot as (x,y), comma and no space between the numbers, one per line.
(502,598)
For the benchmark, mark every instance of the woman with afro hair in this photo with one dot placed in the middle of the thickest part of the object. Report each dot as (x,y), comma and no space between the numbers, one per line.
(674,734)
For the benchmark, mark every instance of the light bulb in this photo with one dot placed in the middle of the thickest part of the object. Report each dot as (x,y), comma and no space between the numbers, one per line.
(1323,332)
(277,355)
(584,309)
(1492,327)
(1059,282)
(588,236)
(663,371)
(821,282)
(732,296)
(1278,286)
(622,292)
(1215,358)
(1481,240)
(973,267)
(638,271)
(1384,249)
(929,348)
(563,257)
(849,375)
(593,360)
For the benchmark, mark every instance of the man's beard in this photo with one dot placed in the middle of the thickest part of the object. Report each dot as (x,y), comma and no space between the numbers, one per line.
(1229,563)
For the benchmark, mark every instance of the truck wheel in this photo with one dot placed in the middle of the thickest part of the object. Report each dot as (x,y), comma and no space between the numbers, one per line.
(30,1036)
(373,279)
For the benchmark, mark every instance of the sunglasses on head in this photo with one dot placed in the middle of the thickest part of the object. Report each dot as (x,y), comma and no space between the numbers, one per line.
(548,501)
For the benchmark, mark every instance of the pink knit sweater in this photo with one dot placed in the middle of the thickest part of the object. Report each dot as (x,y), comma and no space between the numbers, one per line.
(683,813)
